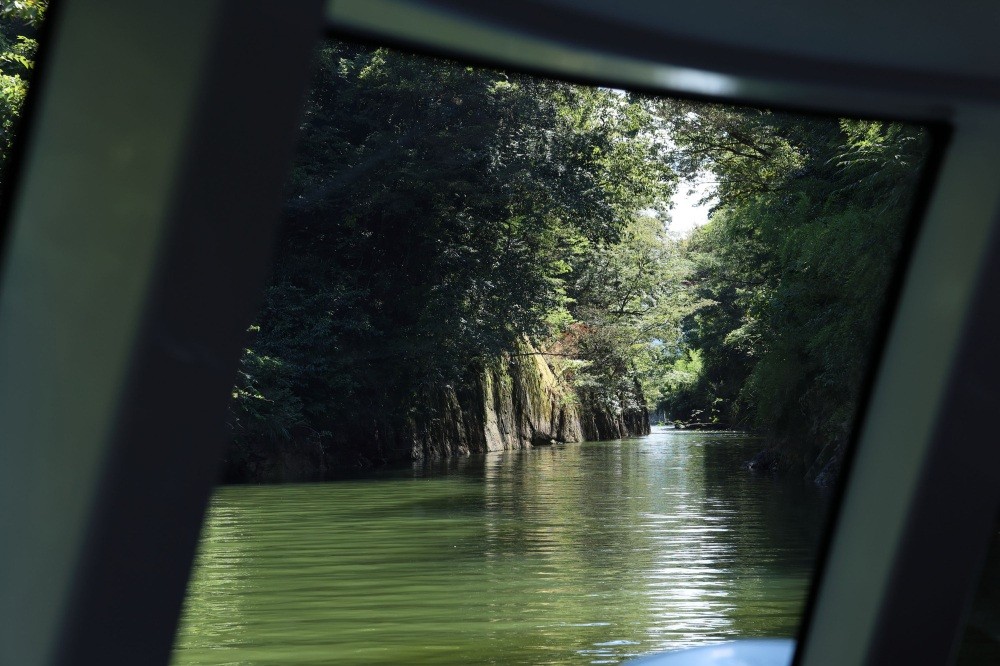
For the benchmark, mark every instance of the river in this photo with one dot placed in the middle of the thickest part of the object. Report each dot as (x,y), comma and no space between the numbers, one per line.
(571,554)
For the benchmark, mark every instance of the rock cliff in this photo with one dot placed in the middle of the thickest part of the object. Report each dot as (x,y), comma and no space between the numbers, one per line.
(626,416)
(515,402)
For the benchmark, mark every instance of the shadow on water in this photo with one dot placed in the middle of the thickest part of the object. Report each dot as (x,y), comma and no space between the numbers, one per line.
(565,554)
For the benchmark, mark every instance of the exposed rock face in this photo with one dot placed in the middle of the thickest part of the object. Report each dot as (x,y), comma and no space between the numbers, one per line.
(626,417)
(514,403)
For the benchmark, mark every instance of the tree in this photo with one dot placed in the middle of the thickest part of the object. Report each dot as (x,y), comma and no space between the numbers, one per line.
(628,299)
(19,23)
(796,262)
(434,218)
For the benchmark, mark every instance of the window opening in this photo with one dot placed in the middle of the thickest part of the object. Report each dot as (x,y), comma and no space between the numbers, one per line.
(576,365)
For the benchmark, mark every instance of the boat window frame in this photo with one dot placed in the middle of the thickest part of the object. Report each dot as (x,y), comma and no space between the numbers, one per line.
(106,523)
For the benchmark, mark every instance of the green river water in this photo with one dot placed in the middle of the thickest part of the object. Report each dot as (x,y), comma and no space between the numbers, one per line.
(575,554)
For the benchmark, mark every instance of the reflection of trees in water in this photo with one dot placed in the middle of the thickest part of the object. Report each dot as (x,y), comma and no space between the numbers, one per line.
(601,549)
(468,466)
(775,527)
(788,513)
(560,540)
(531,555)
(619,535)
(562,503)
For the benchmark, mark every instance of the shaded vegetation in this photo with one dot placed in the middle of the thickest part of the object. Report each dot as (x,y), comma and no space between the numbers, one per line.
(441,218)
(437,217)
(795,264)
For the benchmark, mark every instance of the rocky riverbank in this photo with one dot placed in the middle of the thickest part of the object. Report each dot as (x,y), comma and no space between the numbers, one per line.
(515,402)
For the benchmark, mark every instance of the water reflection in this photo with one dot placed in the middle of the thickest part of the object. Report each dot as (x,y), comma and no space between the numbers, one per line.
(582,553)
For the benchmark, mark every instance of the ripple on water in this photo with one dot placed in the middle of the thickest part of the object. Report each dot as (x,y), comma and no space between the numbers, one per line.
(594,552)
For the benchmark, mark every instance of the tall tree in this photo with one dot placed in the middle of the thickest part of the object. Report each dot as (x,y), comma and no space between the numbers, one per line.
(434,217)
(796,262)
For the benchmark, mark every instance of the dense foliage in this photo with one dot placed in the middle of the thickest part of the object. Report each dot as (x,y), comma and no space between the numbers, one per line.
(437,215)
(795,264)
(19,22)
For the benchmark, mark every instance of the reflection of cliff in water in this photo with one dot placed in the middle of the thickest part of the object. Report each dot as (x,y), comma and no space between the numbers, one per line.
(563,554)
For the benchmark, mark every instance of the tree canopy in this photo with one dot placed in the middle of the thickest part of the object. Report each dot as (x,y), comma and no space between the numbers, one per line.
(794,266)
(439,214)
(19,23)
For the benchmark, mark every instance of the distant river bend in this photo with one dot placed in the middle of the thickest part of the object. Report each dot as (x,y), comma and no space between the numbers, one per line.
(579,553)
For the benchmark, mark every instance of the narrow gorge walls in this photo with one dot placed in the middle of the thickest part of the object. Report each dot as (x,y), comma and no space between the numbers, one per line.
(515,402)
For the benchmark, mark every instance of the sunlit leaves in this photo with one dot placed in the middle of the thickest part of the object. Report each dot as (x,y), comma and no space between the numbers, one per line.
(437,215)
(795,262)
(630,300)
(18,23)
(745,149)
(23,11)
